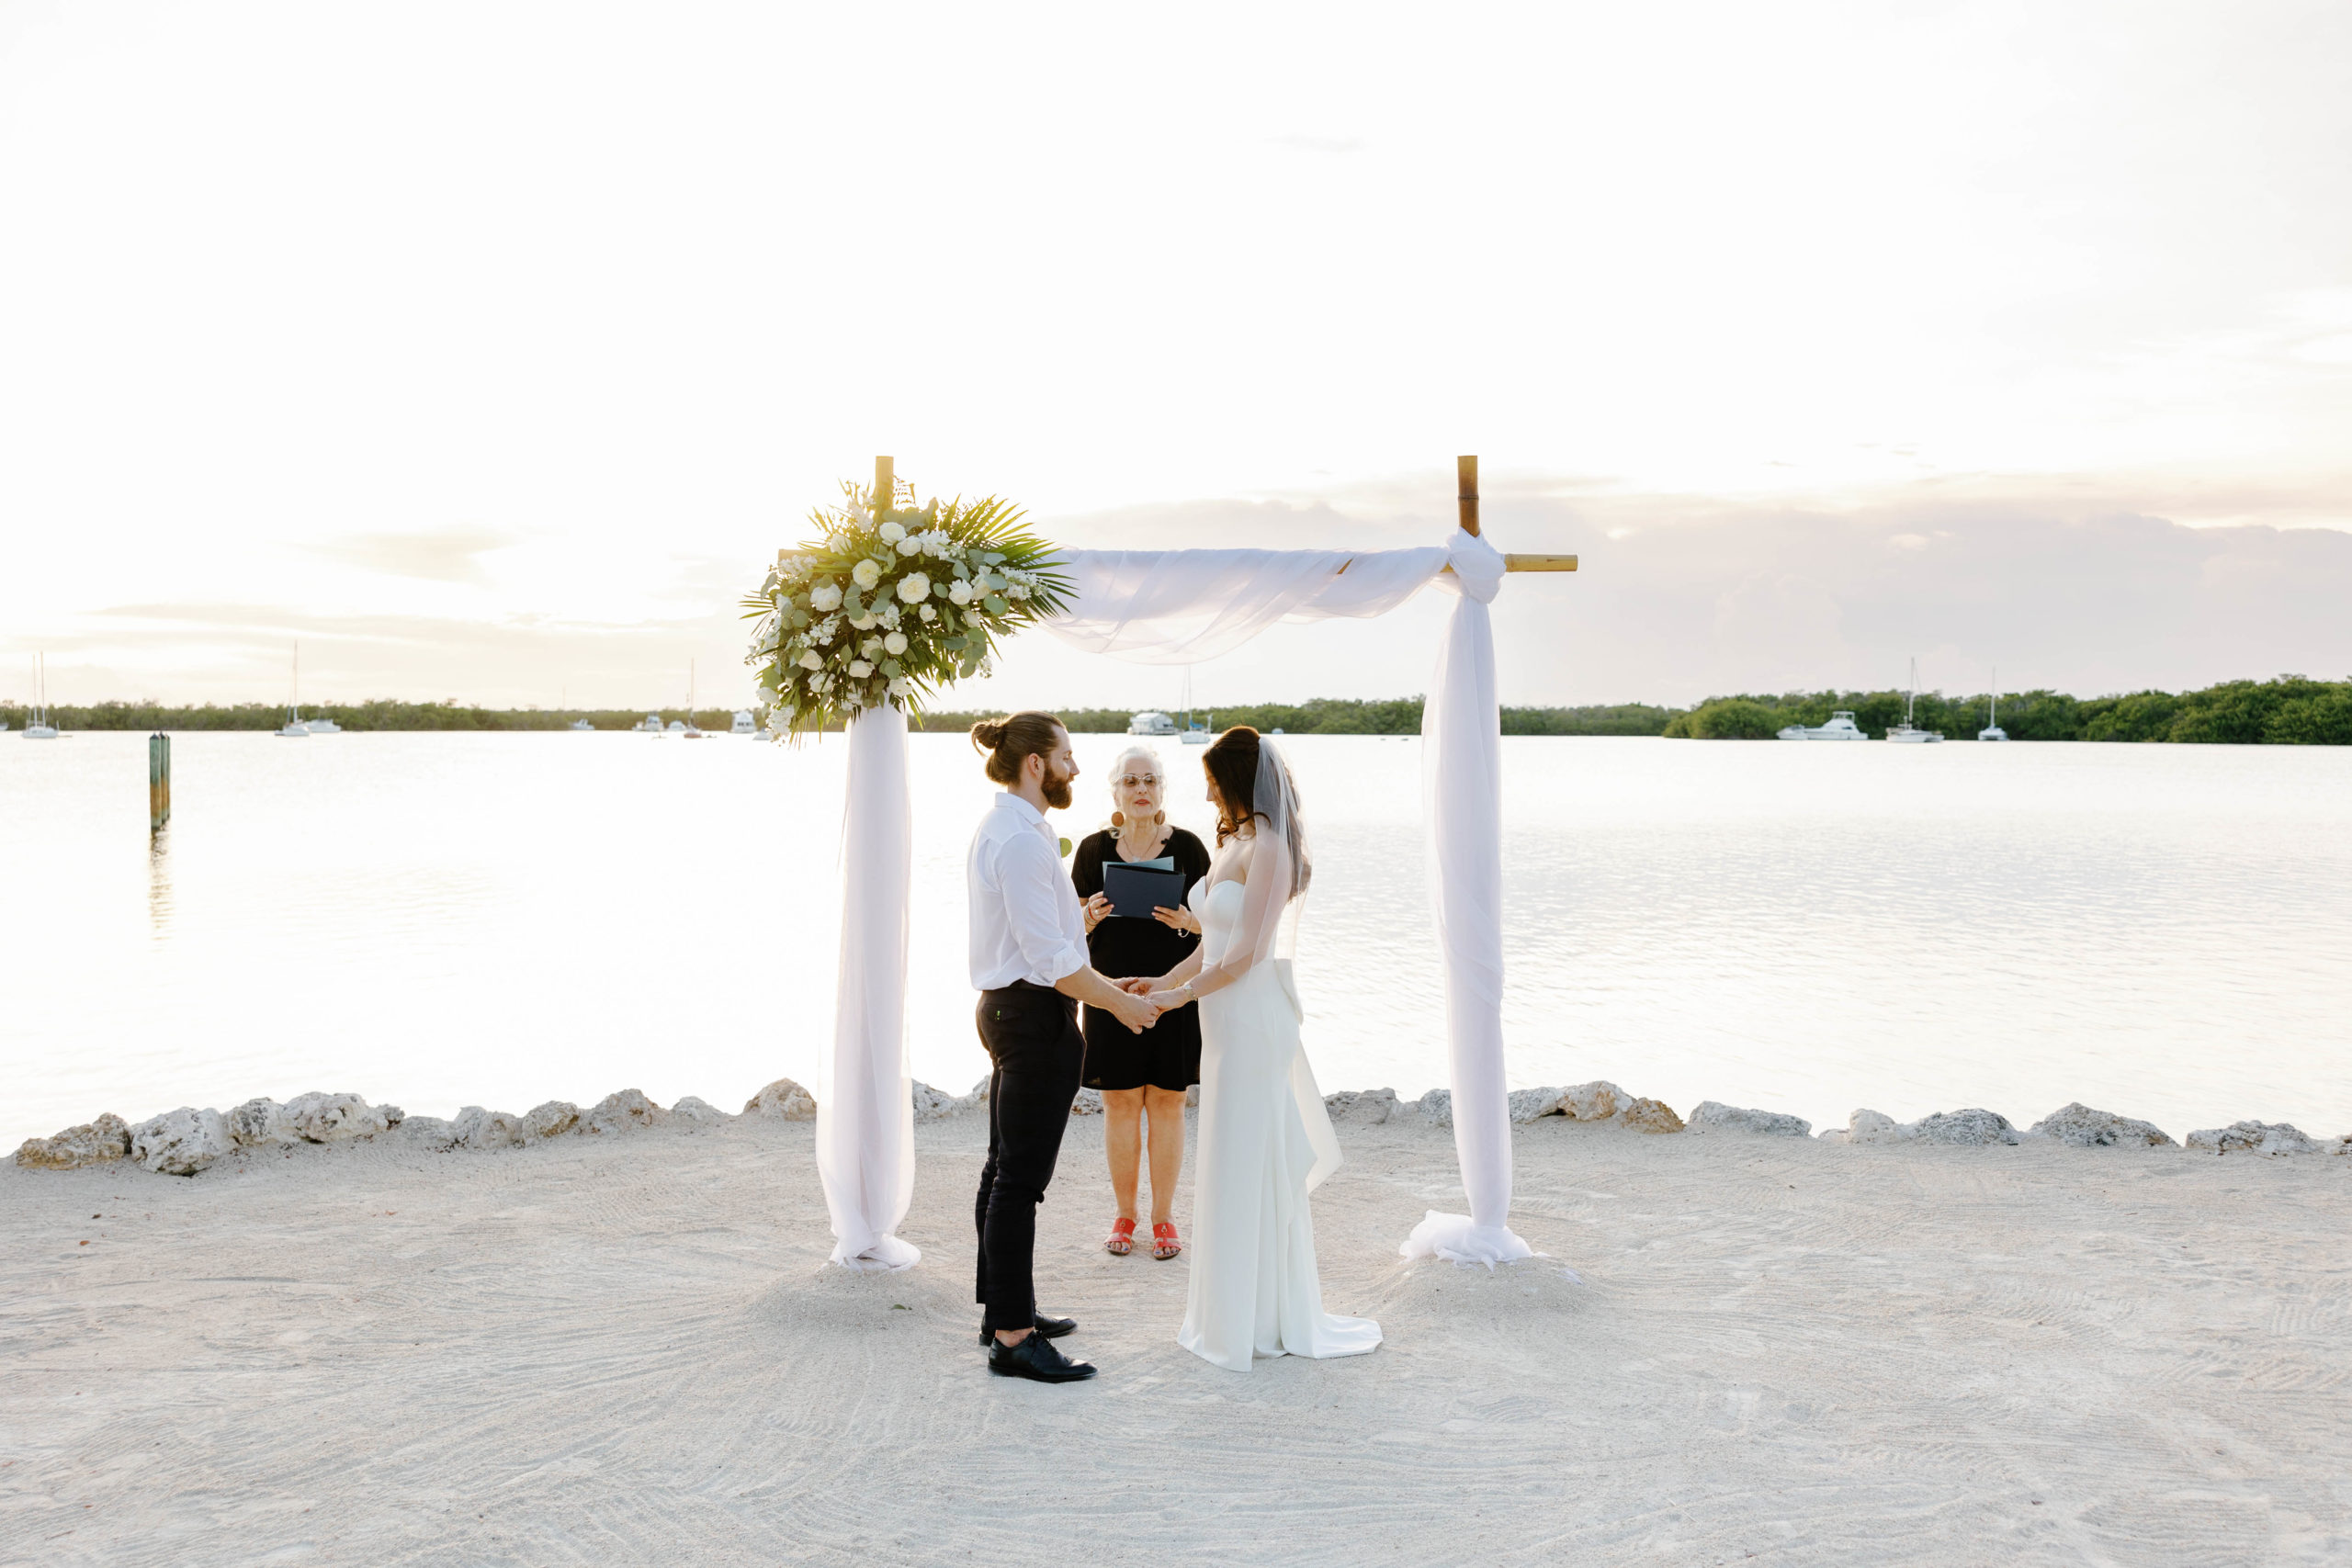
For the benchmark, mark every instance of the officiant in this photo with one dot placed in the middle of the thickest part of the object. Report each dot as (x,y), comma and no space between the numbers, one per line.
(1142,1078)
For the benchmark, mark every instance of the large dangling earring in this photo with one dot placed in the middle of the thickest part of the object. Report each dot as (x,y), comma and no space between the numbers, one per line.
(1159,819)
(1118,819)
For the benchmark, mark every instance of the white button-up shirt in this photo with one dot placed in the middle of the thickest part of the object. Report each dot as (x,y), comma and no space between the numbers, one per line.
(1026,924)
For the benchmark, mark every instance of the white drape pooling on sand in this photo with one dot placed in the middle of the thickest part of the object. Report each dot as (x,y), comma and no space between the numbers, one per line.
(1462,764)
(1179,607)
(865,1127)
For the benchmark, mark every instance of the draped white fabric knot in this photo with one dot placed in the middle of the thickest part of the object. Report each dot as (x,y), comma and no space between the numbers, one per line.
(1477,566)
(1181,607)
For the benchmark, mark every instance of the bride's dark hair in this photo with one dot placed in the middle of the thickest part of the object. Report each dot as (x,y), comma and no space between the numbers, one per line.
(1231,763)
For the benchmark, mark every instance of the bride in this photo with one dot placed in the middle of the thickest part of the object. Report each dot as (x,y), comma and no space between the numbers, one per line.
(1265,1140)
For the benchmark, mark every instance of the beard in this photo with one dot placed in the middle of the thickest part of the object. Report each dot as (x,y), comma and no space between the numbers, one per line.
(1055,787)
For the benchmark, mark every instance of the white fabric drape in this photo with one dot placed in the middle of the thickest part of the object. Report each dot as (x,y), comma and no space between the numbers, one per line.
(865,1128)
(1462,786)
(1183,606)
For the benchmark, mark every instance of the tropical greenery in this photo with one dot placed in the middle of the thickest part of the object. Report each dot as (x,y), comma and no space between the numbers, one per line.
(2289,710)
(892,603)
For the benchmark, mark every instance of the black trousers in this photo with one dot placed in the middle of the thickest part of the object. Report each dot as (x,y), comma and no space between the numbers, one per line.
(1036,1052)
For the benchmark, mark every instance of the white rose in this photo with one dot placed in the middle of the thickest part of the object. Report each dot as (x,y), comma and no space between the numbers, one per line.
(914,588)
(866,573)
(911,547)
(959,592)
(892,533)
(894,644)
(825,596)
(859,668)
(928,614)
(812,661)
(899,686)
(863,622)
(871,648)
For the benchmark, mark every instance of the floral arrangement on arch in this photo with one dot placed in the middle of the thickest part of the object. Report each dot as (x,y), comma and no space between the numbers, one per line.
(893,604)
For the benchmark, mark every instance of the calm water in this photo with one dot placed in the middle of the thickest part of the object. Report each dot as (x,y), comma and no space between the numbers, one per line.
(500,919)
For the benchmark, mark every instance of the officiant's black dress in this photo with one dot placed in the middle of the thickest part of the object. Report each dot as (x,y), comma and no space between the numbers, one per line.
(1167,1054)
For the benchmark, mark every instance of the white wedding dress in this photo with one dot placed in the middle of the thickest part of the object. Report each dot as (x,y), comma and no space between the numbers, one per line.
(1265,1143)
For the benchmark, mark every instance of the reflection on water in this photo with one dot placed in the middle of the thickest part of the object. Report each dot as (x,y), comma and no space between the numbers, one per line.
(159,883)
(442,920)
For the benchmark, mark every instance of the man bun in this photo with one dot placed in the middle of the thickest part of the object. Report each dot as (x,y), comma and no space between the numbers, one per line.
(1012,739)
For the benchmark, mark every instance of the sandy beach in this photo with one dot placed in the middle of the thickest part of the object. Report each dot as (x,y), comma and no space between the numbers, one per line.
(623,1349)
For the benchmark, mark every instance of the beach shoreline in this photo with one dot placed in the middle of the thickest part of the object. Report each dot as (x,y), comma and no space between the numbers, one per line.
(628,1347)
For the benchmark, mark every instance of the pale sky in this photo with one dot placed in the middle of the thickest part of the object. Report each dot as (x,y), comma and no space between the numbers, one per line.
(489,349)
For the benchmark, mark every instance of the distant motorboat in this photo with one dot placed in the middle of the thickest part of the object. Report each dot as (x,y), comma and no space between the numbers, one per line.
(650,725)
(322,727)
(1841,726)
(1993,731)
(677,727)
(1903,734)
(582,723)
(1151,722)
(744,725)
(1198,736)
(39,727)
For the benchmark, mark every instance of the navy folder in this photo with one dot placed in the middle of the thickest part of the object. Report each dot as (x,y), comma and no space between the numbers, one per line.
(1136,889)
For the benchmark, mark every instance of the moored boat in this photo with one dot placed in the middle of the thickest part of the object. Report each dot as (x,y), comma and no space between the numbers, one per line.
(1841,726)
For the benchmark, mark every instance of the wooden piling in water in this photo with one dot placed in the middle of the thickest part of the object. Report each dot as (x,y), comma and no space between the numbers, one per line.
(159,781)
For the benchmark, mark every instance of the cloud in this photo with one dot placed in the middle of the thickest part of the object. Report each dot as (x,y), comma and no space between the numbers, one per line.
(439,555)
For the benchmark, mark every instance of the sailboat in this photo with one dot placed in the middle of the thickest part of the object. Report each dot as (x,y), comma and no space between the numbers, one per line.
(42,728)
(1993,731)
(294,728)
(1903,733)
(690,732)
(1196,734)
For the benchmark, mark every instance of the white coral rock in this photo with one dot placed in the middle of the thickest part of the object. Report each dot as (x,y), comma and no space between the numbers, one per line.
(783,1098)
(1362,1107)
(697,1111)
(330,1118)
(2085,1128)
(180,1143)
(1527,1104)
(101,1142)
(1595,1101)
(260,1122)
(479,1129)
(2254,1137)
(1714,1116)
(551,1119)
(622,1112)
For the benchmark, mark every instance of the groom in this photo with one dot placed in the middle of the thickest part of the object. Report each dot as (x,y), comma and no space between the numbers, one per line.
(1029,963)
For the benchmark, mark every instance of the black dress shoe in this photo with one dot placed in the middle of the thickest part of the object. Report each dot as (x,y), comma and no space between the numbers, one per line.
(1050,1327)
(1035,1358)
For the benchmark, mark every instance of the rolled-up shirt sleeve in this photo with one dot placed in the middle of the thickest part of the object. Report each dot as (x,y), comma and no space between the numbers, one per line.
(1035,891)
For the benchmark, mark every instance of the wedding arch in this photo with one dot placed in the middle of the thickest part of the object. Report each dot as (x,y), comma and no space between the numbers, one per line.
(966,576)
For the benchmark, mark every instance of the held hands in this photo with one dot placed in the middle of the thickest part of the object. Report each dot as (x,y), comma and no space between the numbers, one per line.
(1137,1011)
(1181,919)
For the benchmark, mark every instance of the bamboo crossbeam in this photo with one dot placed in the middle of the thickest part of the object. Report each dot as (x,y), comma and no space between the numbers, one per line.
(1538,563)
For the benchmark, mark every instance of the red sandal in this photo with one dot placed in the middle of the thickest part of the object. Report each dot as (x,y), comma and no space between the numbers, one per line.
(1123,1238)
(1164,1245)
